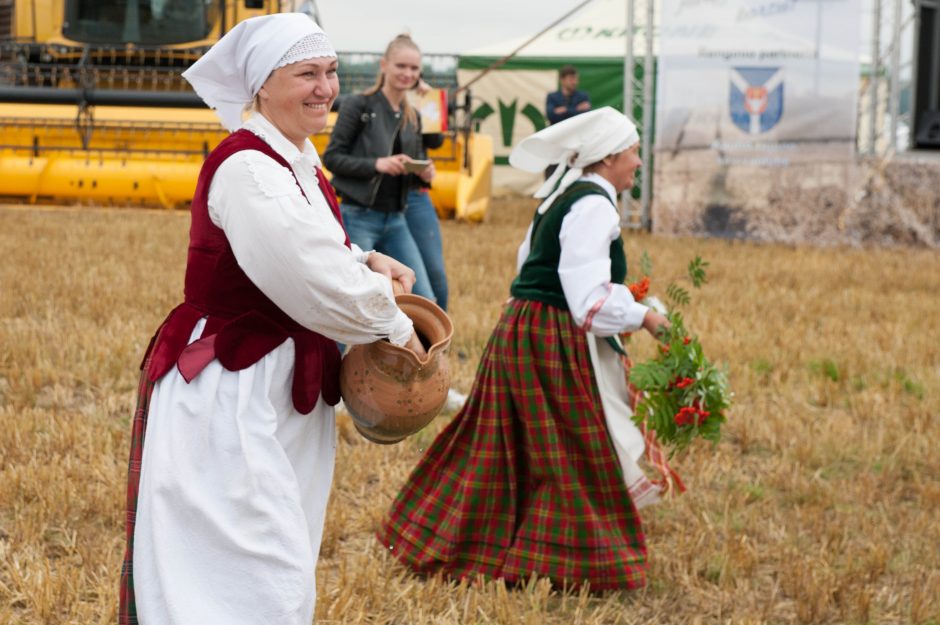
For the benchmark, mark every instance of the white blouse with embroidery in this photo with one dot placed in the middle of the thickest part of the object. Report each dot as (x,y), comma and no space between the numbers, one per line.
(293,249)
(234,481)
(592,224)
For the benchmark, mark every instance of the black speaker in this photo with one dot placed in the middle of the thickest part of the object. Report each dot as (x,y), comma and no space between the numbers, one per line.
(928,130)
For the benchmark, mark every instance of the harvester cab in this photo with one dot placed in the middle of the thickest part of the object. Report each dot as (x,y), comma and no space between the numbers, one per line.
(93,108)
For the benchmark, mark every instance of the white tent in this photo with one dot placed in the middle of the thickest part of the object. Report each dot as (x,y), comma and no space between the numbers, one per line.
(509,101)
(599,30)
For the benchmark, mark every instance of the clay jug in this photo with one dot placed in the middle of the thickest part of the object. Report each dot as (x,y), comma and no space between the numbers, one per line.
(388,390)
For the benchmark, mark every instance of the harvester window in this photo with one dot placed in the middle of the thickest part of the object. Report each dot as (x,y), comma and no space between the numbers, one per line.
(141,22)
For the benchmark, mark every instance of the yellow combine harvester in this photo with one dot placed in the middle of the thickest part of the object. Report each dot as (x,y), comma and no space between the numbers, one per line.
(93,108)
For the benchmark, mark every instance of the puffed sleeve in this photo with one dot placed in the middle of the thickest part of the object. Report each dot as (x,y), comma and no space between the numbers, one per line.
(601,308)
(294,252)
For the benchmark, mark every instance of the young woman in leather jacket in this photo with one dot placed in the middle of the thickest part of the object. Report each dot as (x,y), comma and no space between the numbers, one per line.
(376,134)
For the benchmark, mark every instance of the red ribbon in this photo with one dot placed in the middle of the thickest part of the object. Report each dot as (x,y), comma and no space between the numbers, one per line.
(654,451)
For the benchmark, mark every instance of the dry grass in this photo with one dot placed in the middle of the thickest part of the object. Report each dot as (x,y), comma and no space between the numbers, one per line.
(820,506)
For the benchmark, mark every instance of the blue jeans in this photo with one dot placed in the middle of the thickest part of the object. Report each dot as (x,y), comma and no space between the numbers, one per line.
(426,231)
(387,233)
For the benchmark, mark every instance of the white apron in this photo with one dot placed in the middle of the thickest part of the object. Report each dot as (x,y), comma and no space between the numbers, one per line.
(233,493)
(625,435)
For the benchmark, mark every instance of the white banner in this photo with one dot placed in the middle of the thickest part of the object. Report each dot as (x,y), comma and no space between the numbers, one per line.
(759,73)
(746,85)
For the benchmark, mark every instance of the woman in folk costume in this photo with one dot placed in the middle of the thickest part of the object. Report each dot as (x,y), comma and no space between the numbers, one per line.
(538,473)
(226,500)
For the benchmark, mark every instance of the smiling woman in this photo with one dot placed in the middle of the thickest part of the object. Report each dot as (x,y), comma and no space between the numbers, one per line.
(540,473)
(226,502)
(297,98)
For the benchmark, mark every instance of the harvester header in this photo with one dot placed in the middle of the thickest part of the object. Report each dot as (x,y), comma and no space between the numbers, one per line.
(93,107)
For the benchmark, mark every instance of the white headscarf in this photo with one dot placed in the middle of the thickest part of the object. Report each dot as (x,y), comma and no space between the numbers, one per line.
(231,73)
(573,144)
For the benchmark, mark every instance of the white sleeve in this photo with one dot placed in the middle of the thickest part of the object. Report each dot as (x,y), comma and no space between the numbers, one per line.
(523,252)
(601,308)
(359,254)
(294,252)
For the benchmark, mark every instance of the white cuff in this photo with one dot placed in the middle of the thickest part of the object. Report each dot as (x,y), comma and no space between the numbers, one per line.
(403,329)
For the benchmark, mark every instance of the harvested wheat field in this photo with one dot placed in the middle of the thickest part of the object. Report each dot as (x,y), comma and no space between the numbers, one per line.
(820,505)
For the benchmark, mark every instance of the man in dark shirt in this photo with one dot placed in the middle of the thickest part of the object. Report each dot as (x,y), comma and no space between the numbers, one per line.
(567,101)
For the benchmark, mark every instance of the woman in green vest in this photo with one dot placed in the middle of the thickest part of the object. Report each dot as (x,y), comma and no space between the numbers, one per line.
(539,472)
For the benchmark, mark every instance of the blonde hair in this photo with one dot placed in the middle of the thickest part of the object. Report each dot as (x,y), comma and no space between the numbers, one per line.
(401,41)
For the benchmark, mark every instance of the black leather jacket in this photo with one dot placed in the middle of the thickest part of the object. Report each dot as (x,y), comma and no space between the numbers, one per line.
(365,131)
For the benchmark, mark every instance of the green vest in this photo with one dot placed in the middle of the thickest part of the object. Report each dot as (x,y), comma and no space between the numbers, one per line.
(538,279)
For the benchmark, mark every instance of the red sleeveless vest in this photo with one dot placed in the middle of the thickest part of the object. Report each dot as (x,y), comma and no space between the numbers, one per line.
(242,324)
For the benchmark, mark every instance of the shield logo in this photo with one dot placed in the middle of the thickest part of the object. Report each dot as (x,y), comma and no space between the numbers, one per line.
(756,98)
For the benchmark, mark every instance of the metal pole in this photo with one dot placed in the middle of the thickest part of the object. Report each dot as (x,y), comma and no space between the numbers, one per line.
(818,46)
(628,63)
(895,77)
(89,96)
(646,186)
(625,198)
(873,80)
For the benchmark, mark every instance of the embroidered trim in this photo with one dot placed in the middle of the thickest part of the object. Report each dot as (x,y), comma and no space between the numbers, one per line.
(314,45)
(258,130)
(586,326)
(274,180)
(644,492)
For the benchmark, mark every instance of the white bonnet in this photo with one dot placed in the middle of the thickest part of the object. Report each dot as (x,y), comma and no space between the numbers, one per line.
(231,73)
(574,144)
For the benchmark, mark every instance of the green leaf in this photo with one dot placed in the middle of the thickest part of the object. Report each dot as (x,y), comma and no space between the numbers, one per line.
(646,264)
(680,355)
(697,271)
(677,295)
(649,376)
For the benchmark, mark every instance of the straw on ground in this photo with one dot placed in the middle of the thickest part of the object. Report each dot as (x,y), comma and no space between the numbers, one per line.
(819,506)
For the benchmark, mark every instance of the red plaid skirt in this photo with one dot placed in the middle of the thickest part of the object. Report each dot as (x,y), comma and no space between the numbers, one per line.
(525,479)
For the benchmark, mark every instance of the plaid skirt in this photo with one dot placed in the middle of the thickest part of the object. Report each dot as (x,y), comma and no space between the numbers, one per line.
(525,480)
